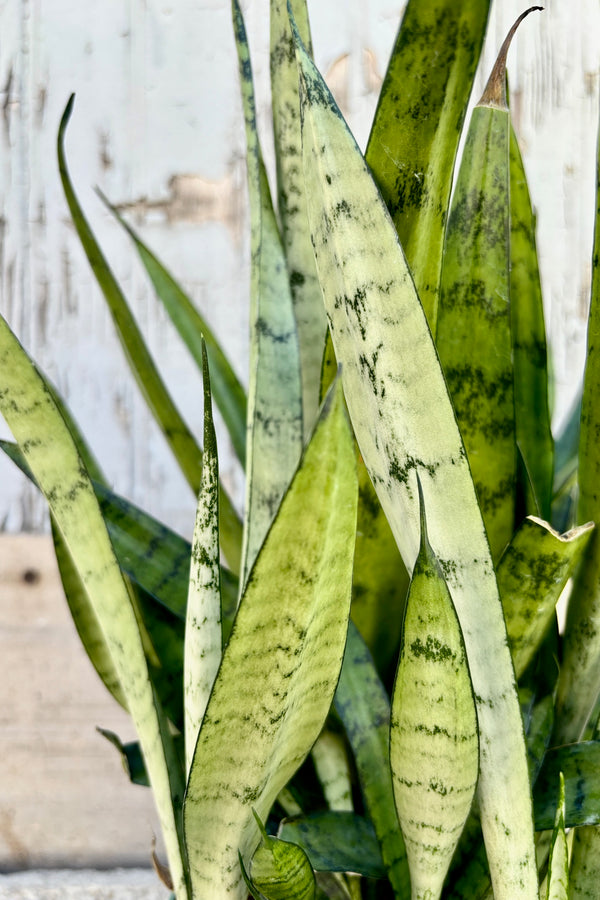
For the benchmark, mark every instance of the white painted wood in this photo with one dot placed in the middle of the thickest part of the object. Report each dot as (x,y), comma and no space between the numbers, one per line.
(157,124)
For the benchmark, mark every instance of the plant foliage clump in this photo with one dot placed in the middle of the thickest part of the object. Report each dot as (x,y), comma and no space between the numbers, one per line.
(359,688)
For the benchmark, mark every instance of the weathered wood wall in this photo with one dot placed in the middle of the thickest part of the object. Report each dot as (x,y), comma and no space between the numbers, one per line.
(157,124)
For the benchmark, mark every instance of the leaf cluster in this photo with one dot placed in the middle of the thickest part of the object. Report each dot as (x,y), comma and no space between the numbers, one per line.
(359,688)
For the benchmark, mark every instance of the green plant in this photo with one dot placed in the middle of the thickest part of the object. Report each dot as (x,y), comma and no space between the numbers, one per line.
(305,709)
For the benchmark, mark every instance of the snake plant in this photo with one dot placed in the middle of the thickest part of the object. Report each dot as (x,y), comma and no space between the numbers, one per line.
(358,687)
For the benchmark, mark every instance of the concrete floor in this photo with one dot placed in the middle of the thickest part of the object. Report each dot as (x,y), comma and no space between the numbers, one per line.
(120,884)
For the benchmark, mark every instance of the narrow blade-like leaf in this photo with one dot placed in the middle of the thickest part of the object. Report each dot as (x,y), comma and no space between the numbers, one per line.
(227,391)
(177,434)
(532,411)
(434,745)
(417,127)
(279,671)
(156,559)
(380,577)
(531,577)
(579,684)
(291,200)
(46,442)
(474,327)
(203,634)
(275,394)
(395,390)
(558,863)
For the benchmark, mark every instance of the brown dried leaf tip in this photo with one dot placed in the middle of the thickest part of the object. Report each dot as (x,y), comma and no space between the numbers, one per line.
(495,90)
(160,868)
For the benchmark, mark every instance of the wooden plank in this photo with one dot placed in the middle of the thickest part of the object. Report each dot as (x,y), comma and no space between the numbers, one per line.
(64,797)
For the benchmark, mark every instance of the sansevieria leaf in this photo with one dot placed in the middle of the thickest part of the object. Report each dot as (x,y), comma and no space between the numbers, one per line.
(291,200)
(279,671)
(532,411)
(281,870)
(177,434)
(417,127)
(532,574)
(584,875)
(395,388)
(275,436)
(34,419)
(203,632)
(579,683)
(558,864)
(434,746)
(473,336)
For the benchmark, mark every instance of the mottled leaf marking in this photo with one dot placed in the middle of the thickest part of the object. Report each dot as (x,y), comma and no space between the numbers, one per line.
(532,574)
(274,437)
(304,284)
(473,329)
(281,665)
(417,127)
(50,452)
(375,314)
(434,745)
(281,870)
(579,683)
(532,412)
(203,634)
(584,876)
(580,765)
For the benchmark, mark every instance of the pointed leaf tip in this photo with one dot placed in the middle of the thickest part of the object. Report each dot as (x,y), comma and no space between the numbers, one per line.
(64,119)
(494,93)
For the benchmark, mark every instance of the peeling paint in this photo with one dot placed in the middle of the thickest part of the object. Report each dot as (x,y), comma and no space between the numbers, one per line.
(193,199)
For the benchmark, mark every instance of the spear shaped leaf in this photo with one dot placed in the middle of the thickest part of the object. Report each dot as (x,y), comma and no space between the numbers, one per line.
(579,683)
(274,394)
(417,127)
(395,390)
(280,668)
(291,199)
(203,632)
(51,454)
(532,411)
(181,441)
(434,746)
